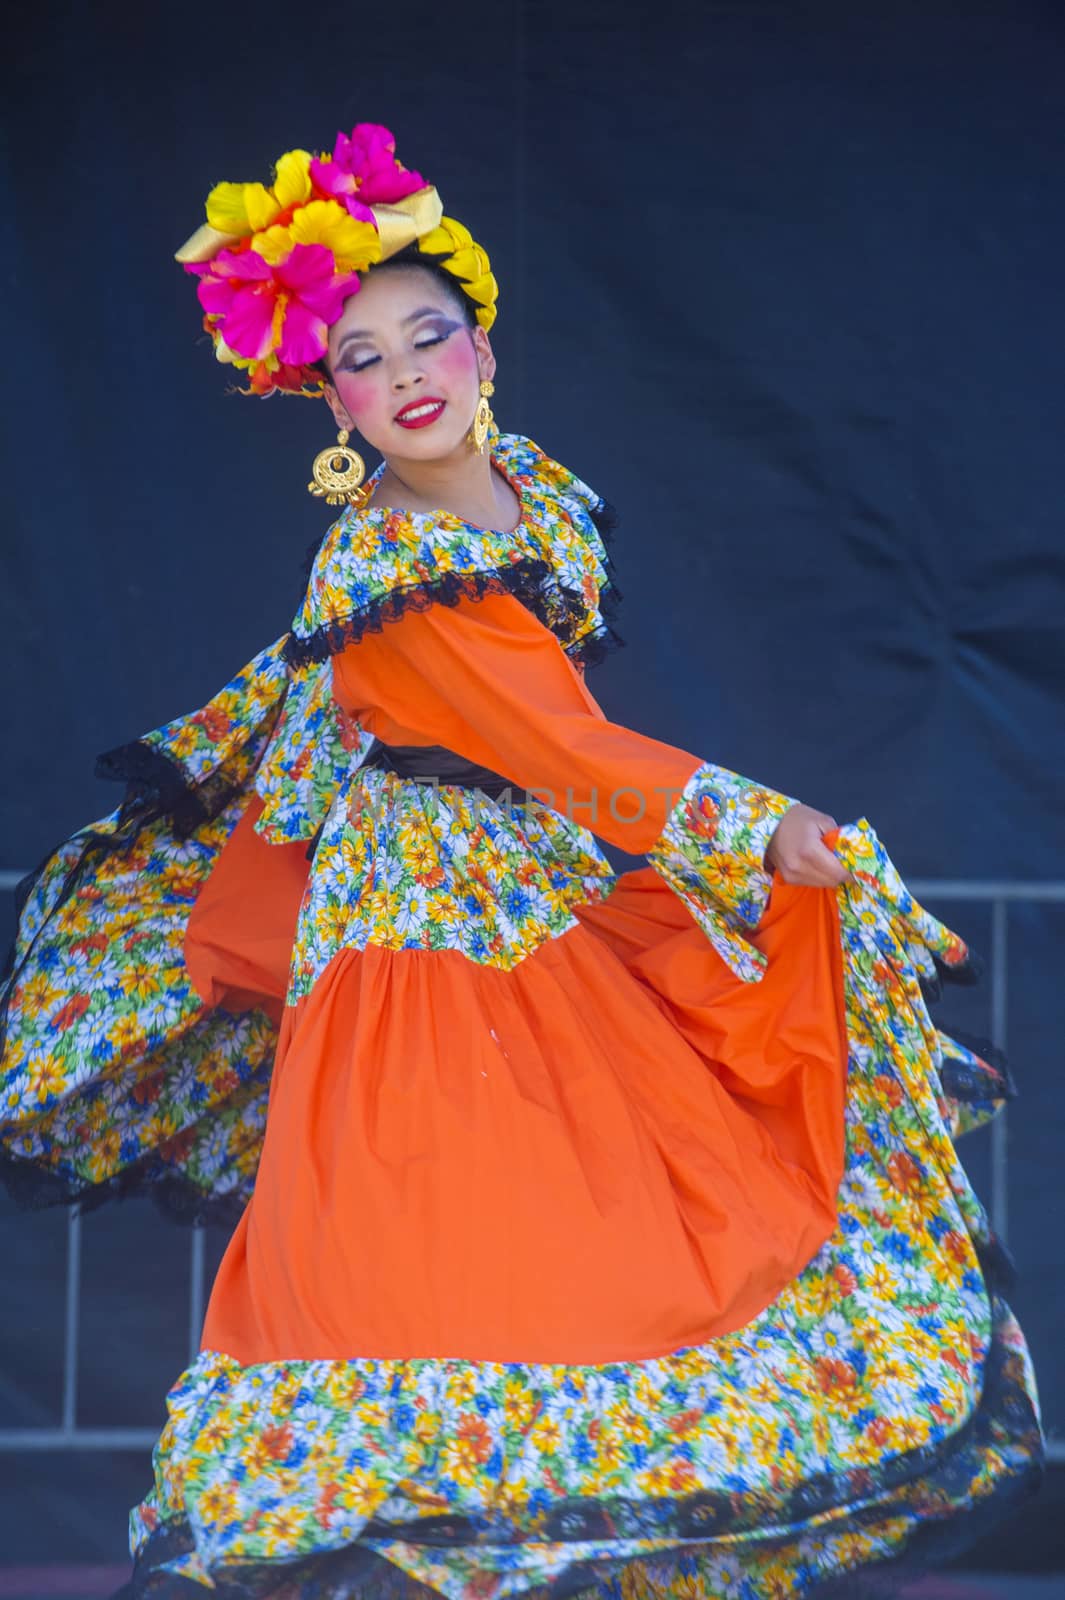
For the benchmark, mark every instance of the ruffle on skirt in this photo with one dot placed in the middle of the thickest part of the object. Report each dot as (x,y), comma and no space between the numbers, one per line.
(862,1424)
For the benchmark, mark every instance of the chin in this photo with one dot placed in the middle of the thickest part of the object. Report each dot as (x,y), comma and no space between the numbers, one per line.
(427,444)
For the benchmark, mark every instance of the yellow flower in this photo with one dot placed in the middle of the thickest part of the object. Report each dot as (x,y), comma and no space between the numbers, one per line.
(427,1426)
(281,1527)
(257,1457)
(364,542)
(881,1281)
(513,1496)
(610,1451)
(632,1426)
(766,1392)
(519,1406)
(461,1385)
(333,602)
(547,1435)
(362,1491)
(187,739)
(460,1463)
(40,991)
(126,1032)
(212,1436)
(355,244)
(218,1503)
(243,208)
(655,1481)
(138,983)
(49,1079)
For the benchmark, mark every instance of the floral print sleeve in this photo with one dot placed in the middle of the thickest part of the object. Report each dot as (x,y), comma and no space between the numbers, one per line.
(712,852)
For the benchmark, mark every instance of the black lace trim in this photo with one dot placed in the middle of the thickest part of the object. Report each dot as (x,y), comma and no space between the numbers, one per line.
(606,519)
(35,1188)
(595,647)
(155,781)
(965,974)
(531,581)
(963,1082)
(157,787)
(525,581)
(944,1520)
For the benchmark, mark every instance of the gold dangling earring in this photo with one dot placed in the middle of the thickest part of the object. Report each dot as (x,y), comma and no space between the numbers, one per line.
(482,417)
(337,474)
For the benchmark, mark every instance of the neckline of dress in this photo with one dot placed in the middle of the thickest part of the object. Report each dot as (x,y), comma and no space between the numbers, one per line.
(422,518)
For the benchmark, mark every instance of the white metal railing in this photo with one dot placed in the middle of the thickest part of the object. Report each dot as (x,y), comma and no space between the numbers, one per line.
(999,894)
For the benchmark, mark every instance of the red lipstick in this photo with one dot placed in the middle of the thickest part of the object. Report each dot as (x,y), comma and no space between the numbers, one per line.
(413,405)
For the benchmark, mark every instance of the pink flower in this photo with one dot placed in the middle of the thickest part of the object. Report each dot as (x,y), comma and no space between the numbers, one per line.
(286,308)
(364,171)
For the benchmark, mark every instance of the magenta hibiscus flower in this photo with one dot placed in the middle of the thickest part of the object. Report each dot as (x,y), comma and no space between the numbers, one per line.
(364,171)
(285,309)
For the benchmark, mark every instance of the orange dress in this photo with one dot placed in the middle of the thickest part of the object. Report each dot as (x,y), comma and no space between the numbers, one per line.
(596,1234)
(615,1148)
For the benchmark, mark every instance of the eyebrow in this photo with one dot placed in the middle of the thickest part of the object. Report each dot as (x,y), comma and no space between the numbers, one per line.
(365,333)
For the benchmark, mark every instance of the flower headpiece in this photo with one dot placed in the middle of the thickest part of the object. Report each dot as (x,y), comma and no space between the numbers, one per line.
(276,264)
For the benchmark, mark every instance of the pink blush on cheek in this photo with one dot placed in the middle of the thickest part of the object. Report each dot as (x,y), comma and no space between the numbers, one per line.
(356,392)
(456,361)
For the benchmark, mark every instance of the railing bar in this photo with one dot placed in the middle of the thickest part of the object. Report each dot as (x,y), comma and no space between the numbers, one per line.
(985,889)
(999,1025)
(70,1332)
(950,888)
(16,1439)
(196,1271)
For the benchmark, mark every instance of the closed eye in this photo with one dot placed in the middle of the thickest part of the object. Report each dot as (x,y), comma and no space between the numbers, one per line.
(423,344)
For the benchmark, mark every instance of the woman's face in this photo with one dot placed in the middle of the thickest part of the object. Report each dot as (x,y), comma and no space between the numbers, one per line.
(401,344)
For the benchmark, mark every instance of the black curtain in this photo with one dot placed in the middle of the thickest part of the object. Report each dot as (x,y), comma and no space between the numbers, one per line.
(782,280)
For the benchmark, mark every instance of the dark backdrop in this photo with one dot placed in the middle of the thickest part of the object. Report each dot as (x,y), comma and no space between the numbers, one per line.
(783,281)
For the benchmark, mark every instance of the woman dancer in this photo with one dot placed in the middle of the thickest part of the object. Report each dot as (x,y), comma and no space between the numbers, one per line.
(596,1233)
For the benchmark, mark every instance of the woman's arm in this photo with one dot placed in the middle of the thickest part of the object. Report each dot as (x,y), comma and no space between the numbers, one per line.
(485,678)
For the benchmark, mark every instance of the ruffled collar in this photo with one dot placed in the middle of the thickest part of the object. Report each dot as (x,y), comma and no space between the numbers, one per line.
(375,563)
(500,456)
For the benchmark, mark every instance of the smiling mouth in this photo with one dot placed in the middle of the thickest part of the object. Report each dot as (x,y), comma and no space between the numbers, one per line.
(417,416)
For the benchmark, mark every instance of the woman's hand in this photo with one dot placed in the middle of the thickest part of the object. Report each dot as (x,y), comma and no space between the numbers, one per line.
(796,852)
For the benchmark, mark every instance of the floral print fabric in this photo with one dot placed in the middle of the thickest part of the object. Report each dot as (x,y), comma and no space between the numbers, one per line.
(405,865)
(112,1065)
(314,749)
(711,852)
(374,561)
(807,1442)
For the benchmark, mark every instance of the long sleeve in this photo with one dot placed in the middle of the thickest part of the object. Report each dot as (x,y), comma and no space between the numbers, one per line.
(486,679)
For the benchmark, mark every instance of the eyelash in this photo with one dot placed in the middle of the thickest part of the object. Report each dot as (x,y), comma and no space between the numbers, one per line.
(439,339)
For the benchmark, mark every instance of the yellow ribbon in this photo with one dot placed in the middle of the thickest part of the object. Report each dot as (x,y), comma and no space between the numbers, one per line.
(399,223)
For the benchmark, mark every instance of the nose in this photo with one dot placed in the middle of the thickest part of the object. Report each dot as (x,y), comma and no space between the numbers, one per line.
(406,374)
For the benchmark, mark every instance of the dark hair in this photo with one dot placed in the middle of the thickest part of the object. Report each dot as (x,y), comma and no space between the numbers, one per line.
(411,256)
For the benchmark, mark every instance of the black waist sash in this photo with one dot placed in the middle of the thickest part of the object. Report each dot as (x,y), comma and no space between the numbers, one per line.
(428,763)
